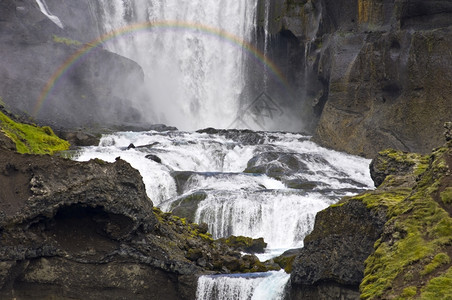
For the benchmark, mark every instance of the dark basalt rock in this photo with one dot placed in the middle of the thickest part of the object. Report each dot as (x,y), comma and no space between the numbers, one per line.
(356,244)
(371,74)
(79,138)
(243,136)
(448,131)
(278,164)
(333,255)
(395,163)
(245,244)
(154,158)
(186,205)
(181,178)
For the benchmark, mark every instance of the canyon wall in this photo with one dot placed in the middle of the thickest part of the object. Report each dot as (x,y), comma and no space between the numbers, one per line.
(377,74)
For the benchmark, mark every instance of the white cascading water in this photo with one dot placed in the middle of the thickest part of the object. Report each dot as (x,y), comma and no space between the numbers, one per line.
(250,204)
(193,76)
(257,286)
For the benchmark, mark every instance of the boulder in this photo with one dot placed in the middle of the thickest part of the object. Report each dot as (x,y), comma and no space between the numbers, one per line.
(331,264)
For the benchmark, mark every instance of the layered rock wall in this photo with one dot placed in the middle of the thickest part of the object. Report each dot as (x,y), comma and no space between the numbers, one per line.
(377,73)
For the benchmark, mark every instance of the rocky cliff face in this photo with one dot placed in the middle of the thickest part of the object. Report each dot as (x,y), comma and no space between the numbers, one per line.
(391,242)
(376,73)
(89,86)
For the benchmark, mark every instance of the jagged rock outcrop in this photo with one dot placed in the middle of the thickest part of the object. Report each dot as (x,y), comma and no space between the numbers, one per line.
(375,73)
(88,86)
(394,241)
(331,264)
(84,230)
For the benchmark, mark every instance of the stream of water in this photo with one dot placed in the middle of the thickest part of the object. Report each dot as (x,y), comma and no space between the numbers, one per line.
(256,184)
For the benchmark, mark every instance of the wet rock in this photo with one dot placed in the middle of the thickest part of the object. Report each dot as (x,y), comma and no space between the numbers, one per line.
(79,138)
(334,253)
(92,93)
(245,244)
(394,55)
(186,205)
(154,158)
(181,178)
(128,126)
(301,184)
(280,164)
(285,260)
(244,136)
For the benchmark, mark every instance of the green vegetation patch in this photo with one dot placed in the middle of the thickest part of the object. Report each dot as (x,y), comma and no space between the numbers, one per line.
(32,139)
(66,41)
(380,198)
(439,287)
(413,248)
(439,260)
(446,195)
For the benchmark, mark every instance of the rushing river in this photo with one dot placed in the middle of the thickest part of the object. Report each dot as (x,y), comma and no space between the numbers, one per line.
(256,184)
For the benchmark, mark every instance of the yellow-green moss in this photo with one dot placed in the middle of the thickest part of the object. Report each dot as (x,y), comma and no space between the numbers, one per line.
(378,198)
(439,287)
(439,260)
(420,231)
(32,139)
(409,292)
(285,262)
(446,195)
(66,41)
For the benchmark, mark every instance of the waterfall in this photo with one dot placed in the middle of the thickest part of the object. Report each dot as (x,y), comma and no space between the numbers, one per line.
(45,10)
(190,52)
(257,286)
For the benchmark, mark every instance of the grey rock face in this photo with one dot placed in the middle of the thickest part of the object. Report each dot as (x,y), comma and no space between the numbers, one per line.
(331,264)
(50,73)
(373,74)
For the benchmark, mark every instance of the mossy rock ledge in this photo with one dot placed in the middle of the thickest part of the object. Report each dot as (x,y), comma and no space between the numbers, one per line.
(394,242)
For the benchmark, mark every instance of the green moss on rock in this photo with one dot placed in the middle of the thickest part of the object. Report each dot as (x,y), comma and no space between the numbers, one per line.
(243,243)
(416,238)
(439,287)
(446,195)
(32,139)
(66,41)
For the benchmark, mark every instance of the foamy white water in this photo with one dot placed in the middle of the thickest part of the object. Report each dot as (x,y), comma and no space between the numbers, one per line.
(237,203)
(257,286)
(250,204)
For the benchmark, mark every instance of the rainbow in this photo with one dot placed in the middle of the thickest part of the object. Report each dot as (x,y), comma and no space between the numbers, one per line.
(86,48)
